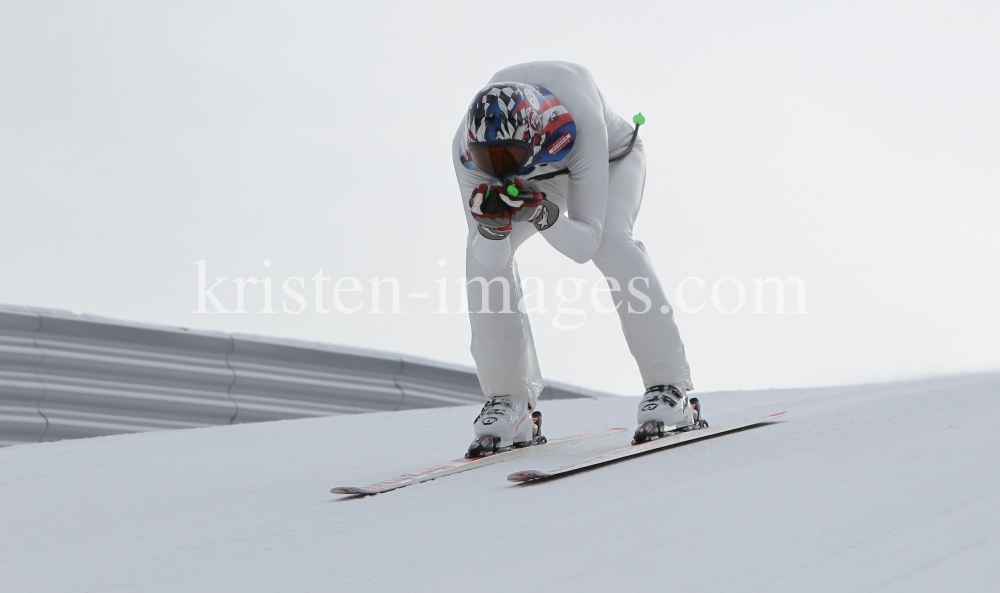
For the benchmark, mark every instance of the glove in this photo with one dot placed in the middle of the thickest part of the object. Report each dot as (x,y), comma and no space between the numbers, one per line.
(546,216)
(535,209)
(496,208)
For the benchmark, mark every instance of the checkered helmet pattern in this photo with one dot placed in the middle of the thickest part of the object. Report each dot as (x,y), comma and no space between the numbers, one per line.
(504,111)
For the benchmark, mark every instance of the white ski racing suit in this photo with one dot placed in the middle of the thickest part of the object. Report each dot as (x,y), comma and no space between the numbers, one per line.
(600,202)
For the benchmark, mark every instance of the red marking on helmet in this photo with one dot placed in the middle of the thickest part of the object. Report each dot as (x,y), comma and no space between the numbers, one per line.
(549,104)
(553,125)
(560,143)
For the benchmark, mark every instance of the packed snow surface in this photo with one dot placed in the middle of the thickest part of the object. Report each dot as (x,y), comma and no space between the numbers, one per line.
(867,488)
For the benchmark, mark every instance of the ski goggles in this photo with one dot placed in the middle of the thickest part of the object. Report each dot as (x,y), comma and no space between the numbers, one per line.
(501,158)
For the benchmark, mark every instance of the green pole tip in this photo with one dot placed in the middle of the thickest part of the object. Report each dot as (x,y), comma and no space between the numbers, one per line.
(512,191)
(638,119)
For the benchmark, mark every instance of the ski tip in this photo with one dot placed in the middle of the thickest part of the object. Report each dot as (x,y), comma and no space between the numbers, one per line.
(778,415)
(348,490)
(526,476)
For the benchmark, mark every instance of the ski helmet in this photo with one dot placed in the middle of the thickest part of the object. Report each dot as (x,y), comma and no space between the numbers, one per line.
(508,126)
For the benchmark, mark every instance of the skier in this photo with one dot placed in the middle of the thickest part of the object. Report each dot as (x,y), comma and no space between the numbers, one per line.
(540,141)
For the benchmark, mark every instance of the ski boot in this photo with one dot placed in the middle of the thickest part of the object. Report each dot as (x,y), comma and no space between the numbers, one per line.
(505,422)
(664,410)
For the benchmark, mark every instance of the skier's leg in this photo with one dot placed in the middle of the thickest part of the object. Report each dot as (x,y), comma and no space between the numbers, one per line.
(502,345)
(505,354)
(650,330)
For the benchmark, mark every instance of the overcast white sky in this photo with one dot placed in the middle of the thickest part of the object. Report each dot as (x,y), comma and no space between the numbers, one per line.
(854,145)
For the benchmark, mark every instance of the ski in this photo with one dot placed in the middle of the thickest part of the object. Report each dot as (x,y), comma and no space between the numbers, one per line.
(463,464)
(646,447)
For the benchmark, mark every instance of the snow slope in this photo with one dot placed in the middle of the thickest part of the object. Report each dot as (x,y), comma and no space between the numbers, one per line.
(878,487)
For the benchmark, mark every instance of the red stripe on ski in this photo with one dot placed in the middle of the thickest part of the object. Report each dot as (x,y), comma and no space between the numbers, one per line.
(460,465)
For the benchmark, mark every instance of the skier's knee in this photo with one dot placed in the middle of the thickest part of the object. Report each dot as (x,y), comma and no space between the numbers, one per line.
(615,245)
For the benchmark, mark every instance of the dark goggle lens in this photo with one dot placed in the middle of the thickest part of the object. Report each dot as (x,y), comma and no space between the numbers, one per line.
(500,162)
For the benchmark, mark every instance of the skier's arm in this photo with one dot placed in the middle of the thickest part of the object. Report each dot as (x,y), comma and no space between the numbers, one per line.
(578,235)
